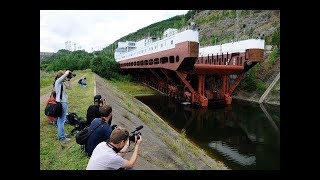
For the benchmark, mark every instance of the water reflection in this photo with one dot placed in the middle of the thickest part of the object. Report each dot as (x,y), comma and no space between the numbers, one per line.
(232,153)
(242,135)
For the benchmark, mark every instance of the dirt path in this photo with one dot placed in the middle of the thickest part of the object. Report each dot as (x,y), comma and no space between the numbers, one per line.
(153,153)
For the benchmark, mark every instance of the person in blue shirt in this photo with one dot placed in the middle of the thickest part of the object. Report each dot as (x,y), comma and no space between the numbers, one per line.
(103,130)
(83,82)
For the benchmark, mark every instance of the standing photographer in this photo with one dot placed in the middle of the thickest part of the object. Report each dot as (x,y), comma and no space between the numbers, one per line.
(109,155)
(62,82)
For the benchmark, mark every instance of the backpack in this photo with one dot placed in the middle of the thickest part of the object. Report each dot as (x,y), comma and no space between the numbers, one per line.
(53,109)
(73,118)
(78,122)
(83,135)
(80,81)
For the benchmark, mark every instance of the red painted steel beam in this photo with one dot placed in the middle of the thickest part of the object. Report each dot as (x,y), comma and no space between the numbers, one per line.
(236,83)
(155,74)
(217,69)
(167,76)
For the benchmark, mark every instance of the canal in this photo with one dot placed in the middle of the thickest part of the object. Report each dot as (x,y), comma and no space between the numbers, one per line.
(244,135)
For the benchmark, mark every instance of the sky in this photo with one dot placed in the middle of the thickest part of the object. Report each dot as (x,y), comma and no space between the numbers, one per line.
(95,28)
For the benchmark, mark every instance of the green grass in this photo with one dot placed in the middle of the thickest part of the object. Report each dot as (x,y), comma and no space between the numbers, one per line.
(133,88)
(55,155)
(46,78)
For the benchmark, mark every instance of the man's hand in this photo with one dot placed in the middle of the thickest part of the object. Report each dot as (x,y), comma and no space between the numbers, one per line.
(138,141)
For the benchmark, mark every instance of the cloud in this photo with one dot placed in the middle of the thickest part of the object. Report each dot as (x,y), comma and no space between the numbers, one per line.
(94,28)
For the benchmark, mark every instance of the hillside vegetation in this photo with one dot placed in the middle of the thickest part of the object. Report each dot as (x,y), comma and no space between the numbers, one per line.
(216,26)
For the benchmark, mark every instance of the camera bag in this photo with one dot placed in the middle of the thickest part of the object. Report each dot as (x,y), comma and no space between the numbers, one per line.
(54,109)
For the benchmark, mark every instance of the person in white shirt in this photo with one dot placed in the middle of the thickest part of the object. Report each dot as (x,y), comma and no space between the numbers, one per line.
(109,155)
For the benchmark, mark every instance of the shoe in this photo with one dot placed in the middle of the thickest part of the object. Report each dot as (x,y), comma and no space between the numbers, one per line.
(65,140)
(67,135)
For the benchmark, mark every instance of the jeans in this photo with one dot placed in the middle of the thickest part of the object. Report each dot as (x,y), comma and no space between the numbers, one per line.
(61,120)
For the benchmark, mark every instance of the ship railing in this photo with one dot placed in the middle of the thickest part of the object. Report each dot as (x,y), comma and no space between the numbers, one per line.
(214,60)
(225,41)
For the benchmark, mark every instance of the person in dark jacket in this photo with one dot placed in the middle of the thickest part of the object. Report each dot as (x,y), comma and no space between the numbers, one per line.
(93,110)
(101,129)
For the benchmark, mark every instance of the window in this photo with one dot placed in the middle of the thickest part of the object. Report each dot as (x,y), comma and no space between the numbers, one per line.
(171,58)
(156,61)
(164,60)
(177,58)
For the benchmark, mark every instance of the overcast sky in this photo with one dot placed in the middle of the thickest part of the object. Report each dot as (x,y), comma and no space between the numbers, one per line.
(94,29)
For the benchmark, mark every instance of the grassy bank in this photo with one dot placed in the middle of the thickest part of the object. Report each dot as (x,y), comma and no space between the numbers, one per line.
(55,155)
(132,88)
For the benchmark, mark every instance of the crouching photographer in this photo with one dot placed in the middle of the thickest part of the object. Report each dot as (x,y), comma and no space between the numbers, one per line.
(109,155)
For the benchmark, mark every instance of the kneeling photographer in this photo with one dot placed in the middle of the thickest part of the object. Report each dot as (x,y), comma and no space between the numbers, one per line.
(109,155)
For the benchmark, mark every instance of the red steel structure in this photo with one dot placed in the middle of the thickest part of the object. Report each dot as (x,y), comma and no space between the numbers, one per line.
(175,65)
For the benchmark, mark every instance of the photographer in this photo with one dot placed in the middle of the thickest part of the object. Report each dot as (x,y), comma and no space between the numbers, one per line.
(61,83)
(101,129)
(93,110)
(109,155)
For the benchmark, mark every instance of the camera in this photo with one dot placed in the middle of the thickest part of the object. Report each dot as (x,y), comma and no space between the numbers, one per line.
(71,75)
(135,134)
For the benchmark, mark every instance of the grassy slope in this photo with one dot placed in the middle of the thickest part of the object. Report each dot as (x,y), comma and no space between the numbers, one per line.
(56,155)
(68,156)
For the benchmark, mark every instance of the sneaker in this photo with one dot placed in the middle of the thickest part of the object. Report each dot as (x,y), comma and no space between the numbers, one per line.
(67,135)
(65,140)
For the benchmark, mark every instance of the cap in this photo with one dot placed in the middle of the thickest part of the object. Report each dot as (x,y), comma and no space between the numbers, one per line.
(97,98)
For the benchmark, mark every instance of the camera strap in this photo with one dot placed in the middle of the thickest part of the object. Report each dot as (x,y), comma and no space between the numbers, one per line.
(113,147)
(61,92)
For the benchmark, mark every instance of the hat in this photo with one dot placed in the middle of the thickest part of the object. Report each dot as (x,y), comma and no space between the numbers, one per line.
(97,98)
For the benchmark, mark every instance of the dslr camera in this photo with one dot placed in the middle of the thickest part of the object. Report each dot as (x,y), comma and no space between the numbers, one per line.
(135,134)
(71,75)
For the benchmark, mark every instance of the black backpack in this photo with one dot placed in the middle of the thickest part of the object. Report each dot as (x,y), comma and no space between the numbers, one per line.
(83,135)
(73,119)
(54,109)
(78,122)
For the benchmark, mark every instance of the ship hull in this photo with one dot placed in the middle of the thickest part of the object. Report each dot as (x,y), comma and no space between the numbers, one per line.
(181,58)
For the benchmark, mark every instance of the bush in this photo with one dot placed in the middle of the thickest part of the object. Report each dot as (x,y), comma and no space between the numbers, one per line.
(273,57)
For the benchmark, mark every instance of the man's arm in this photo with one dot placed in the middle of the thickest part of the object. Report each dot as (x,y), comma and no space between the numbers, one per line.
(133,159)
(62,78)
